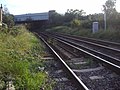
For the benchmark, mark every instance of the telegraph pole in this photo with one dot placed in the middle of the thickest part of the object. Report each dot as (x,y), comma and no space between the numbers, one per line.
(105,20)
(1,15)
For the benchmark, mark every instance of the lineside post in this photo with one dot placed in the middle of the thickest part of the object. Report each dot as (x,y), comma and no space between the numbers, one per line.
(1,15)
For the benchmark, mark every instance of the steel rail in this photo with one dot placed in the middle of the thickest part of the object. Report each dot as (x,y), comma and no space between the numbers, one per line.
(113,66)
(81,85)
(68,51)
(91,43)
(102,55)
(107,43)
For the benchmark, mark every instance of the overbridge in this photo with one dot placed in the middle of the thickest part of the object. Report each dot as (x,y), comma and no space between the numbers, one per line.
(32,17)
(34,20)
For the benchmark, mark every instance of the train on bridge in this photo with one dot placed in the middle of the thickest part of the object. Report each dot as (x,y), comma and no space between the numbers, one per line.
(32,17)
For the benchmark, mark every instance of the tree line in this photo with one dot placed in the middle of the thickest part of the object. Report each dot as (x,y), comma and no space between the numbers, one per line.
(77,18)
(8,19)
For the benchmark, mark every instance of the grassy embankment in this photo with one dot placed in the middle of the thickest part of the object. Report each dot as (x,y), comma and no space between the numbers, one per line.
(20,57)
(110,35)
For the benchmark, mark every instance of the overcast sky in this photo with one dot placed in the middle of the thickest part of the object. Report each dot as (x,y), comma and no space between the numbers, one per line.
(36,6)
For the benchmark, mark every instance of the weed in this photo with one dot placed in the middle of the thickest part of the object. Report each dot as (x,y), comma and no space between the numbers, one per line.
(110,34)
(19,59)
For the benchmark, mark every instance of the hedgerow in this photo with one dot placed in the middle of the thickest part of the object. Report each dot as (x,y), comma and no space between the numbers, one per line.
(20,57)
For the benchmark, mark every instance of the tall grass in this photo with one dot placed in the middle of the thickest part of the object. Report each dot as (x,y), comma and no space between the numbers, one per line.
(110,34)
(20,56)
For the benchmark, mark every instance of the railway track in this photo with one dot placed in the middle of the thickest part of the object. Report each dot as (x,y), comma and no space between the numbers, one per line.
(99,45)
(101,42)
(108,58)
(86,74)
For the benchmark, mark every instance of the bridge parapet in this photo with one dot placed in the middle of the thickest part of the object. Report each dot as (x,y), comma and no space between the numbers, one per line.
(31,17)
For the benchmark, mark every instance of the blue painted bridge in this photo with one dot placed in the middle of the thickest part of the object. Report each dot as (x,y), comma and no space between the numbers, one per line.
(32,17)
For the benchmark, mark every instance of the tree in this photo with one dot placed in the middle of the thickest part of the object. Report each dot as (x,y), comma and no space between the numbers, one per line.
(112,16)
(89,19)
(7,17)
(56,19)
(109,8)
(72,17)
(75,23)
(74,14)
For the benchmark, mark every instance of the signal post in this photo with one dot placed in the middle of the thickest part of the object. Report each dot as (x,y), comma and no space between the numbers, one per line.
(1,15)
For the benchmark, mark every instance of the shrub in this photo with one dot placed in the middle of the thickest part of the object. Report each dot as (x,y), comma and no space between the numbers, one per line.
(110,34)
(20,56)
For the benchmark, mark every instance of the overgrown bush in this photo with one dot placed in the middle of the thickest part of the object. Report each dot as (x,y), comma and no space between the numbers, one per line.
(20,57)
(109,34)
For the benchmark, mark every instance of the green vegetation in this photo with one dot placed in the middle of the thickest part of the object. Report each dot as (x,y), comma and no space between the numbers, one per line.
(20,57)
(8,19)
(77,18)
(110,35)
(75,22)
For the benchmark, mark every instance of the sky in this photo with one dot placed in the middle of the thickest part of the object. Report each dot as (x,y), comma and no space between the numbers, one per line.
(17,7)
